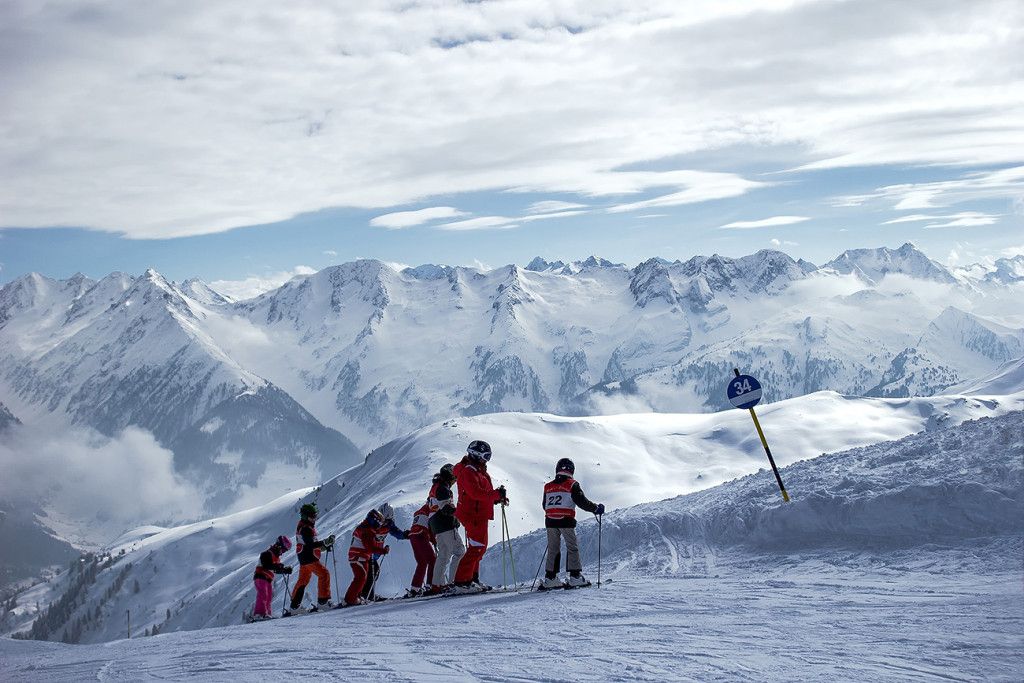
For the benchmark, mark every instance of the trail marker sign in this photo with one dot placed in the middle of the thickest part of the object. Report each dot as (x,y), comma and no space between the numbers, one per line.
(744,392)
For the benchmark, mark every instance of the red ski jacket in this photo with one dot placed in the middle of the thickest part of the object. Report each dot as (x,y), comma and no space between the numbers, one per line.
(421,523)
(365,541)
(477,495)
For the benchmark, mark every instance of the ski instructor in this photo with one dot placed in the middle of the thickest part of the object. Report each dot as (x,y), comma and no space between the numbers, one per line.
(477,498)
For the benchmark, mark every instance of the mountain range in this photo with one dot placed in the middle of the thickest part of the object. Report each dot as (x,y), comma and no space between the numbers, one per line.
(293,386)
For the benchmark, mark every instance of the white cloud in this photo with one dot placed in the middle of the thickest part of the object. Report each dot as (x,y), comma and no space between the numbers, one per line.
(330,252)
(696,186)
(957,220)
(964,222)
(188,118)
(408,219)
(97,485)
(481,223)
(777,243)
(551,206)
(1006,183)
(253,286)
(765,222)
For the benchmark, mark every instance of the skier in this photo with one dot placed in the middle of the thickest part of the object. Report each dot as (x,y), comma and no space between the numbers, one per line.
(263,578)
(423,550)
(445,528)
(561,497)
(308,550)
(477,498)
(367,540)
(389,527)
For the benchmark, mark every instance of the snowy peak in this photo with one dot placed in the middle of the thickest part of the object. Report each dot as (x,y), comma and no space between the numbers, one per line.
(539,265)
(41,293)
(1008,270)
(872,265)
(652,281)
(1003,271)
(769,271)
(964,330)
(198,290)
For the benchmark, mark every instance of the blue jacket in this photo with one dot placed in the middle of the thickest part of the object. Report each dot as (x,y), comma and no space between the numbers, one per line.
(396,532)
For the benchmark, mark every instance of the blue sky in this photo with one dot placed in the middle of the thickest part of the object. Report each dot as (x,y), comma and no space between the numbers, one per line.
(248,141)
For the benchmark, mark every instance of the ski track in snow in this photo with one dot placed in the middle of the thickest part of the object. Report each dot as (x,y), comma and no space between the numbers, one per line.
(787,620)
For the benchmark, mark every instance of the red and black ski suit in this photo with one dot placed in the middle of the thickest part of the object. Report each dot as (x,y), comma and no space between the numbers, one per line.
(477,498)
(422,541)
(366,542)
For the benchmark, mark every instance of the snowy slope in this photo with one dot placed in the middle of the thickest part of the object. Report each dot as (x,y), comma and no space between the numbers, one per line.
(941,487)
(896,561)
(1007,379)
(203,570)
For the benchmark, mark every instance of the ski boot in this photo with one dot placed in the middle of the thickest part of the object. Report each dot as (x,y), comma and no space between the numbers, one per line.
(551,583)
(577,581)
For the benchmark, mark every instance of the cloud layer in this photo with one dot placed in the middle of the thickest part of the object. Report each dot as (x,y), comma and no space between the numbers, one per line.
(164,119)
(94,485)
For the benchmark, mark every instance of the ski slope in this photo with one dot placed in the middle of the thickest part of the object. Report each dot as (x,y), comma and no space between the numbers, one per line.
(202,572)
(896,561)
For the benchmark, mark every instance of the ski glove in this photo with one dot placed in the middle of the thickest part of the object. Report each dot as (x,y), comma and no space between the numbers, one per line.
(502,496)
(600,509)
(286,570)
(386,550)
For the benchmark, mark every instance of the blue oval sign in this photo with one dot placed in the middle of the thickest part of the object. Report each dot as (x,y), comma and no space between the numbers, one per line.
(744,392)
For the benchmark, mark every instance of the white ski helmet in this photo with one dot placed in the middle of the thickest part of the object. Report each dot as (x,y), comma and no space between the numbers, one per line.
(386,511)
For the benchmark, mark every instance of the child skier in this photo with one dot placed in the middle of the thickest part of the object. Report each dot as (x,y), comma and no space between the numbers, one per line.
(369,592)
(561,497)
(308,550)
(367,540)
(269,566)
(445,528)
(477,498)
(423,550)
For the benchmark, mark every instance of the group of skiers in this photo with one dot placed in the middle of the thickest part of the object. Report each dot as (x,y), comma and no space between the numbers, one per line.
(444,564)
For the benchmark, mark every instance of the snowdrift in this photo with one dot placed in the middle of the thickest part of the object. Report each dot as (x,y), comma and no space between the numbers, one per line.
(939,488)
(199,575)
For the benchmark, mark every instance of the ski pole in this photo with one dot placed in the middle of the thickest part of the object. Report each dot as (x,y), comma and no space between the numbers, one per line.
(334,565)
(533,586)
(287,592)
(600,525)
(504,577)
(376,575)
(508,535)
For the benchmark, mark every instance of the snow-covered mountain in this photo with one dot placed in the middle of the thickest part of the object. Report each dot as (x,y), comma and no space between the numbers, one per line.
(256,395)
(1005,271)
(126,352)
(955,347)
(199,575)
(873,265)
